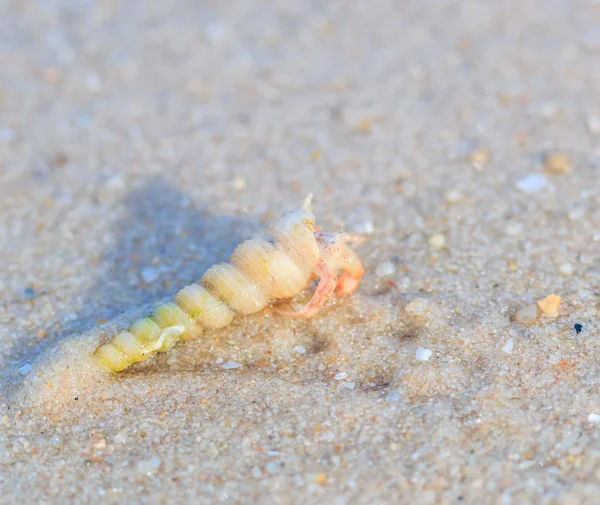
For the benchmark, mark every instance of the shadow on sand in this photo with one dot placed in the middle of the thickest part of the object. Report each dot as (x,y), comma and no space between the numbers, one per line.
(162,243)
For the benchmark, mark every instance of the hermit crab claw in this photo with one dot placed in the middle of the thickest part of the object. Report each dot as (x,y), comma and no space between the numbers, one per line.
(335,256)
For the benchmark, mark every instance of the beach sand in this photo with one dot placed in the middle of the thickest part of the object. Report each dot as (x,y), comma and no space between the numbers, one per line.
(140,142)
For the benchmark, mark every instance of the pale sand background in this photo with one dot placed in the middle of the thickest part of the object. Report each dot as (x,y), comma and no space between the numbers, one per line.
(141,141)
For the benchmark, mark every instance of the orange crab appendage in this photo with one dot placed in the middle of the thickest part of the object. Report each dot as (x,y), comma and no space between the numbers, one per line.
(335,256)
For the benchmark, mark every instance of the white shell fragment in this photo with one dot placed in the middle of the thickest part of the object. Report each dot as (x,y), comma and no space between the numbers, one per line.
(532,183)
(423,354)
(230,365)
(594,418)
(508,347)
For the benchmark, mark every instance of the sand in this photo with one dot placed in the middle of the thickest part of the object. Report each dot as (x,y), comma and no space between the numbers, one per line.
(140,142)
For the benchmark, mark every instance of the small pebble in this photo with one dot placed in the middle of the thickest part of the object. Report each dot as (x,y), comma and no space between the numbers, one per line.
(149,466)
(239,184)
(348,385)
(149,274)
(7,134)
(25,369)
(558,163)
(392,396)
(566,269)
(230,365)
(527,314)
(340,376)
(300,349)
(366,228)
(29,293)
(578,328)
(437,241)
(454,196)
(593,124)
(423,354)
(272,467)
(594,418)
(508,347)
(480,157)
(385,269)
(550,305)
(513,229)
(532,183)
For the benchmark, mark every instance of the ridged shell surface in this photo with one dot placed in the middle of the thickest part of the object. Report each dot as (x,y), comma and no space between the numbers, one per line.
(278,265)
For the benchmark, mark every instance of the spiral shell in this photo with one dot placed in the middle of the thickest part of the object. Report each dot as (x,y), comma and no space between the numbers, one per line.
(279,264)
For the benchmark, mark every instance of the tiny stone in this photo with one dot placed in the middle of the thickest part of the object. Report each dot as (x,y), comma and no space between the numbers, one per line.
(121,437)
(340,376)
(480,157)
(437,241)
(593,124)
(149,466)
(558,163)
(348,385)
(532,183)
(527,314)
(116,183)
(578,328)
(385,269)
(219,360)
(230,365)
(7,134)
(508,347)
(549,305)
(566,269)
(300,349)
(29,293)
(454,196)
(101,444)
(513,229)
(366,228)
(321,479)
(392,396)
(25,369)
(239,184)
(423,354)
(272,467)
(149,274)
(594,418)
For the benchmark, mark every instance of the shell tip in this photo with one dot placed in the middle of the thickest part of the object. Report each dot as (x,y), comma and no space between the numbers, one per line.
(306,206)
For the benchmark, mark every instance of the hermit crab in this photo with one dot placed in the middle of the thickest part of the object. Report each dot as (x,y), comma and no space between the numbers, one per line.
(280,264)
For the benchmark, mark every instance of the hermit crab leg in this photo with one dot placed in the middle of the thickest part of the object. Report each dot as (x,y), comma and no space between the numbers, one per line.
(325,289)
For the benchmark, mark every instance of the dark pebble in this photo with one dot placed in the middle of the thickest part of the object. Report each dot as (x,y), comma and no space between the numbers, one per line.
(578,328)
